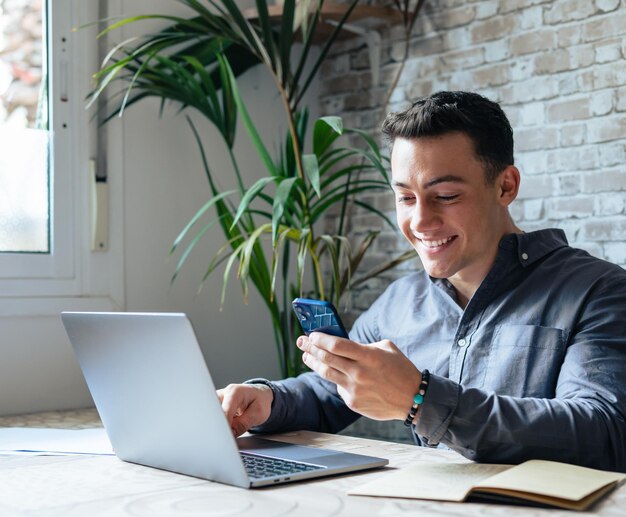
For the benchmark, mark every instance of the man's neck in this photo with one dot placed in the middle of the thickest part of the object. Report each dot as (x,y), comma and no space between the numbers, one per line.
(466,283)
(463,294)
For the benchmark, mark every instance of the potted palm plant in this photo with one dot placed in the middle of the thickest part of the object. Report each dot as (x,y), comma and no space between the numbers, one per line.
(195,62)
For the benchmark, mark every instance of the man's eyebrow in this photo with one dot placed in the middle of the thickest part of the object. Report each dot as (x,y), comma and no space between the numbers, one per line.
(448,178)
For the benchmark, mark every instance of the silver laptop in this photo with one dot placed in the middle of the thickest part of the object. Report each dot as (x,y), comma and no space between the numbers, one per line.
(158,404)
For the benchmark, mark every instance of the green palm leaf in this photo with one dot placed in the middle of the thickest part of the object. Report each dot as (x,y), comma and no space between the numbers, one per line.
(250,127)
(325,132)
(211,202)
(312,172)
(249,196)
(281,201)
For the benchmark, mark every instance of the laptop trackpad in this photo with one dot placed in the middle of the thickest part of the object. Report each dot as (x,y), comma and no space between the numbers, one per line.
(254,445)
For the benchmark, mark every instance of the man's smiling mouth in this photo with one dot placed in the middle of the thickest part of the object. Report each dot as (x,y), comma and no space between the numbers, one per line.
(437,243)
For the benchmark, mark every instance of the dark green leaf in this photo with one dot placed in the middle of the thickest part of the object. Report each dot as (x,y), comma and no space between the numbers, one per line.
(356,259)
(246,254)
(281,201)
(214,200)
(333,252)
(229,265)
(250,194)
(252,131)
(312,172)
(380,214)
(284,233)
(325,132)
(134,19)
(191,246)
(286,41)
(268,33)
(368,138)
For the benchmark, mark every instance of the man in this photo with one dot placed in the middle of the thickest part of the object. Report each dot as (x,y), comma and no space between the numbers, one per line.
(523,336)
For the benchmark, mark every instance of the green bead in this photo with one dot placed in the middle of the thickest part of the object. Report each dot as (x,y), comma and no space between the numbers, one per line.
(418,399)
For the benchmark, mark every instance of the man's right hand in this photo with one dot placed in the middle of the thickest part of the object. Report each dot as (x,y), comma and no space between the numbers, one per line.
(246,405)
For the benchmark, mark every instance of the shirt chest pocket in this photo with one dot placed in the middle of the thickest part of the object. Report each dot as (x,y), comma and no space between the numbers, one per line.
(525,360)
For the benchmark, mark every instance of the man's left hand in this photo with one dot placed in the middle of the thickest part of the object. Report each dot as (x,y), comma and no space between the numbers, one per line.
(375,380)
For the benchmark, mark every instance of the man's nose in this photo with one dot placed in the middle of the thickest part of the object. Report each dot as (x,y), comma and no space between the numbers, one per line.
(423,218)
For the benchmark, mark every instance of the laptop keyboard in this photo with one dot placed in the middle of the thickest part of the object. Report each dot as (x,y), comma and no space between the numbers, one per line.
(263,466)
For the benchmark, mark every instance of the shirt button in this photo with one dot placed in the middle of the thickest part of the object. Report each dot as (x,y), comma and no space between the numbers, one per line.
(461,342)
(524,256)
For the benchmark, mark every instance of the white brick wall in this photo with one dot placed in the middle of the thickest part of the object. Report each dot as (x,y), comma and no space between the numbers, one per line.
(558,68)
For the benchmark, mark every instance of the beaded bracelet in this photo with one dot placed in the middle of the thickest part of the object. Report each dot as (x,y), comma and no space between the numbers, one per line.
(418,398)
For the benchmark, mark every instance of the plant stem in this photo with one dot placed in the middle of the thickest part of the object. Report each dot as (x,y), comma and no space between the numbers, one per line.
(295,141)
(297,151)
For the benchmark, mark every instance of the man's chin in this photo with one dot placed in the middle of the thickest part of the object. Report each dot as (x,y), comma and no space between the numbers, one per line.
(436,272)
(434,268)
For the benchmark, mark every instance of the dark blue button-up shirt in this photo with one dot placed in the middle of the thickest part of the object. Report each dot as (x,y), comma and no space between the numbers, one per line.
(533,367)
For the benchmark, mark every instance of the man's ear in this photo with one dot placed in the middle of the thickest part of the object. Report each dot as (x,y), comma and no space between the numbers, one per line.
(507,185)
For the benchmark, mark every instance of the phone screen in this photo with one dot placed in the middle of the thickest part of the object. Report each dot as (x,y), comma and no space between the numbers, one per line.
(318,316)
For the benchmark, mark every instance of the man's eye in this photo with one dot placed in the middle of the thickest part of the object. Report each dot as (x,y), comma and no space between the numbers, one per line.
(447,198)
(403,199)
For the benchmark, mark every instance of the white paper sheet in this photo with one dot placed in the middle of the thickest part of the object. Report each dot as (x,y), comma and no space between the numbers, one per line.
(40,441)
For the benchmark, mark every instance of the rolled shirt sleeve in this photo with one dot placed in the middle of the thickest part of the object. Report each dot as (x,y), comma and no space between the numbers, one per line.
(306,402)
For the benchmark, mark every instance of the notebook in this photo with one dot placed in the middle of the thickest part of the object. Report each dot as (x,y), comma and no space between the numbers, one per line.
(534,482)
(157,401)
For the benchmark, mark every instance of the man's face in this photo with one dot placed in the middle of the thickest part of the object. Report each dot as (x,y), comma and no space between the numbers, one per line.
(445,208)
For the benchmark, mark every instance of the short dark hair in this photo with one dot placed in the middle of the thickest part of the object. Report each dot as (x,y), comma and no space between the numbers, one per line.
(482,120)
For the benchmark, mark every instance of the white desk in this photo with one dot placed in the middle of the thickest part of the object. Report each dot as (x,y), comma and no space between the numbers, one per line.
(93,486)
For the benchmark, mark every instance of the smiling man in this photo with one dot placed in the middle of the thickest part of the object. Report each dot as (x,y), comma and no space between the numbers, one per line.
(508,346)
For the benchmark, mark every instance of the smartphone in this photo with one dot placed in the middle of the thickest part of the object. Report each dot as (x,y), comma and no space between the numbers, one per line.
(318,316)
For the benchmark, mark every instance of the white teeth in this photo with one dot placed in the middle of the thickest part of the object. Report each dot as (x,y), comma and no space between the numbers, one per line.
(434,244)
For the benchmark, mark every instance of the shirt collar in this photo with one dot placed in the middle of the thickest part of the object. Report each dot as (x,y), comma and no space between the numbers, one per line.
(533,246)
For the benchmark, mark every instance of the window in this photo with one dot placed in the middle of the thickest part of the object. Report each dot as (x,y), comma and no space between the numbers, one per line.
(47,140)
(24,136)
